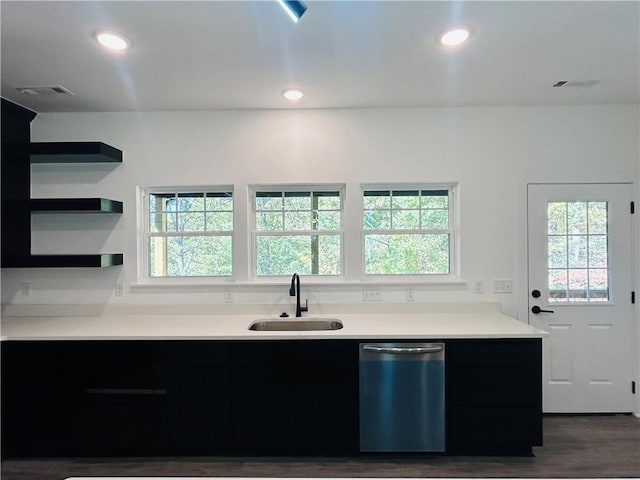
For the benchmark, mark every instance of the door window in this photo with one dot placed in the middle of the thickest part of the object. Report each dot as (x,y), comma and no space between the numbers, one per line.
(577,243)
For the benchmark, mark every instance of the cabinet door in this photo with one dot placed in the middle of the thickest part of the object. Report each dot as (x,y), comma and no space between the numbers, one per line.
(199,397)
(494,396)
(120,404)
(296,396)
(37,398)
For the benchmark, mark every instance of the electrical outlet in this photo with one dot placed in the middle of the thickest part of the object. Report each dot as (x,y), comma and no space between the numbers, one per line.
(478,286)
(410,295)
(228,296)
(371,294)
(119,289)
(503,286)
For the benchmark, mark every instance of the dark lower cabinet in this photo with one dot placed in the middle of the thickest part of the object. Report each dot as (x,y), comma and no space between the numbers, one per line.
(199,397)
(120,399)
(38,390)
(494,396)
(119,423)
(132,398)
(296,397)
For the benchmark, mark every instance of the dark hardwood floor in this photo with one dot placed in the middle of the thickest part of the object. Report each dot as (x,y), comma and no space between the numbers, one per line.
(574,447)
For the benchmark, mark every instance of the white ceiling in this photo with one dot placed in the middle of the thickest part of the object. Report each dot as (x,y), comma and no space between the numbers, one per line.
(207,55)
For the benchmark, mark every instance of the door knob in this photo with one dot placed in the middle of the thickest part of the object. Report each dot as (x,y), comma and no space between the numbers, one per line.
(535,293)
(536,309)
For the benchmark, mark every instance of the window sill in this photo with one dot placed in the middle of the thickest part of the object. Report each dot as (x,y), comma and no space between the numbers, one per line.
(454,284)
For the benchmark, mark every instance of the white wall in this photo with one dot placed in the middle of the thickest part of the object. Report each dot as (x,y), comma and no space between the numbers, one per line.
(491,152)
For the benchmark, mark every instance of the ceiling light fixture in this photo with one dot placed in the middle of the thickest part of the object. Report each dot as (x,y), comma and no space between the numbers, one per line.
(292,94)
(454,36)
(112,41)
(294,8)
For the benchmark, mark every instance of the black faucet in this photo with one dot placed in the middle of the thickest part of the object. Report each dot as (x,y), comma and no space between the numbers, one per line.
(294,290)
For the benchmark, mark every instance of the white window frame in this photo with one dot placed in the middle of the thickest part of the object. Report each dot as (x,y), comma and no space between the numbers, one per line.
(452,231)
(144,234)
(276,188)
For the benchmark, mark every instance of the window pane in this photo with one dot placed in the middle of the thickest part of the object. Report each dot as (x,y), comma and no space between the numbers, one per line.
(435,219)
(557,218)
(269,221)
(577,217)
(376,199)
(597,251)
(191,221)
(599,284)
(219,202)
(269,201)
(297,200)
(171,222)
(557,285)
(158,222)
(405,199)
(220,222)
(190,256)
(297,220)
(328,220)
(407,254)
(578,278)
(597,217)
(557,251)
(577,245)
(190,201)
(440,199)
(329,202)
(377,219)
(406,219)
(329,254)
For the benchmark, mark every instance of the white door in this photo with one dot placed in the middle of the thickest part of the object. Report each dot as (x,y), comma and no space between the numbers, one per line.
(580,283)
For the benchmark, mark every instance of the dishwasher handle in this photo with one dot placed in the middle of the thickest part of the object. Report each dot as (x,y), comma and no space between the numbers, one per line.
(402,350)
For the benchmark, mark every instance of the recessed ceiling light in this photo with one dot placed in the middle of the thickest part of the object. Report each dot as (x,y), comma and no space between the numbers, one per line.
(292,94)
(112,41)
(455,36)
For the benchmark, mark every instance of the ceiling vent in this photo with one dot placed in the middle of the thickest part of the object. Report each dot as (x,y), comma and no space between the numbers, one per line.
(576,83)
(45,90)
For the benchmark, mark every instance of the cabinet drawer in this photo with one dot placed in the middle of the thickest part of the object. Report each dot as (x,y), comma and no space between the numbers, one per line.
(493,430)
(193,353)
(494,353)
(494,386)
(119,422)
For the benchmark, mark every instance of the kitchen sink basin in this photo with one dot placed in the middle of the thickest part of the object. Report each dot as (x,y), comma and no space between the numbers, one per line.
(296,325)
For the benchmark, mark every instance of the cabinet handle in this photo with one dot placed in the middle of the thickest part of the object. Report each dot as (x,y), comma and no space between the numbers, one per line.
(413,350)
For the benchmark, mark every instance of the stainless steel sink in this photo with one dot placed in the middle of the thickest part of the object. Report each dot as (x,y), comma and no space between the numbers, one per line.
(296,325)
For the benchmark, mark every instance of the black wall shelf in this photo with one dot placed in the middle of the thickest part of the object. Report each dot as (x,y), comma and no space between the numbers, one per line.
(74,205)
(74,152)
(64,261)
(18,153)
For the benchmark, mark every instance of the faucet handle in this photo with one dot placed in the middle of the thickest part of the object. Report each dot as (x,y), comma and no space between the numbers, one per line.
(306,306)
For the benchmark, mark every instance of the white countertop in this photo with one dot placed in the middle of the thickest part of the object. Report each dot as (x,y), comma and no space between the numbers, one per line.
(235,327)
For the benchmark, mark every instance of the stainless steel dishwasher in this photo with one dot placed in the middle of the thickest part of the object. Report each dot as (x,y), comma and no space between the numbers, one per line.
(402,397)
